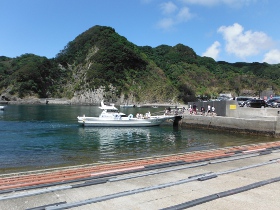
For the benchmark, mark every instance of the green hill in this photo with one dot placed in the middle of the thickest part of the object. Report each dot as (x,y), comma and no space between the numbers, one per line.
(99,63)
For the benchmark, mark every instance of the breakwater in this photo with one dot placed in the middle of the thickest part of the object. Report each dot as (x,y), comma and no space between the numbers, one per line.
(254,125)
(230,117)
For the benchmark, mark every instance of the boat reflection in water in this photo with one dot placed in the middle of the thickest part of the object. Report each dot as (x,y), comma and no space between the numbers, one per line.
(124,143)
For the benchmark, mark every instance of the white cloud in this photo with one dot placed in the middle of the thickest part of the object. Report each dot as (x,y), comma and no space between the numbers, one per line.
(166,23)
(168,7)
(173,15)
(244,43)
(184,15)
(213,51)
(232,3)
(272,57)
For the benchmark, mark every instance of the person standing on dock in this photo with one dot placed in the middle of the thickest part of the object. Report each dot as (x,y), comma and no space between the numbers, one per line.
(208,109)
(213,110)
(194,109)
(190,109)
(202,110)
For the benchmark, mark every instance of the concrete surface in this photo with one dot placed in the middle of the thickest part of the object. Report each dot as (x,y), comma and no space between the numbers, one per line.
(264,197)
(262,125)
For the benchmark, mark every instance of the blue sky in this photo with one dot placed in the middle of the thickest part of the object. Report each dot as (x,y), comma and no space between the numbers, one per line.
(226,30)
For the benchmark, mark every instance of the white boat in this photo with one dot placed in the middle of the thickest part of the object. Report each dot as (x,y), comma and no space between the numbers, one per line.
(2,107)
(110,116)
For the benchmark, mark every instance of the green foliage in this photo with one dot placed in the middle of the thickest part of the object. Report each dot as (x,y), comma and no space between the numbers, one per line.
(32,74)
(101,57)
(114,56)
(186,94)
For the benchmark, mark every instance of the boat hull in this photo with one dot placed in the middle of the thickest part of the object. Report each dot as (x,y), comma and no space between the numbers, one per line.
(125,122)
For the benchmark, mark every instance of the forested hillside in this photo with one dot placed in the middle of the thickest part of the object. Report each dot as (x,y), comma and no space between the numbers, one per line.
(100,63)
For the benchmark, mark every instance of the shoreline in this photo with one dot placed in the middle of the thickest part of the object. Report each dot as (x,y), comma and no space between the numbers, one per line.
(61,101)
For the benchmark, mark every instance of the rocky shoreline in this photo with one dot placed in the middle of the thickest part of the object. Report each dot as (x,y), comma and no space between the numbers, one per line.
(90,97)
(64,101)
(38,101)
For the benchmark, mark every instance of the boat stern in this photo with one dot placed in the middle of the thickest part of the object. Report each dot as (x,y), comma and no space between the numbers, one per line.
(81,120)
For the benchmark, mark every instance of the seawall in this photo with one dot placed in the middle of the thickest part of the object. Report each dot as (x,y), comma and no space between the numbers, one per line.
(230,117)
(254,125)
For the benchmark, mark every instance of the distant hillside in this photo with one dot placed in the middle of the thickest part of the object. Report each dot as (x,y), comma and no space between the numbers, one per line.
(99,63)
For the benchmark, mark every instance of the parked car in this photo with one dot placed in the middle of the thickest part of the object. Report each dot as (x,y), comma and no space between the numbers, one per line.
(273,102)
(276,104)
(245,103)
(256,103)
(241,100)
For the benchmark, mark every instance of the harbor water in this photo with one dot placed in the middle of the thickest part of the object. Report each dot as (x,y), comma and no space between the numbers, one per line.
(46,136)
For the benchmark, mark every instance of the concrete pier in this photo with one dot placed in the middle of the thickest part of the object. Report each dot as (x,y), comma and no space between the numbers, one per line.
(229,116)
(254,125)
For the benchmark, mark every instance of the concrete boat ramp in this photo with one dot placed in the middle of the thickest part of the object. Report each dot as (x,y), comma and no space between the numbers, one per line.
(243,177)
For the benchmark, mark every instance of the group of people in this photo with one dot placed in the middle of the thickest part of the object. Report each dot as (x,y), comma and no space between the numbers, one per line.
(175,111)
(141,116)
(194,110)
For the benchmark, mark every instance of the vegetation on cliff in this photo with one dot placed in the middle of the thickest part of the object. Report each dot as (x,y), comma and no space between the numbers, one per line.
(31,75)
(100,57)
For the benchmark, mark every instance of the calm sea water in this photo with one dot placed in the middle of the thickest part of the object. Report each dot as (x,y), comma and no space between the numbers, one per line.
(45,136)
